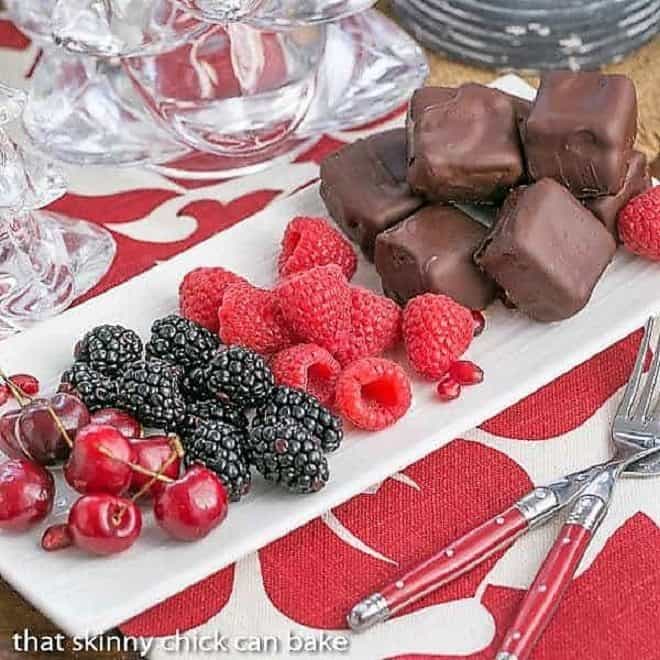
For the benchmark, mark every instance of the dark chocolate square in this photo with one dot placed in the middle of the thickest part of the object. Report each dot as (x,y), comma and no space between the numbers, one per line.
(581,131)
(463,144)
(637,180)
(431,251)
(364,187)
(546,251)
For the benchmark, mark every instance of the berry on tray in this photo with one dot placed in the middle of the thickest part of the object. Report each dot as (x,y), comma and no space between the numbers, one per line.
(291,405)
(94,388)
(156,454)
(201,293)
(127,425)
(252,317)
(43,430)
(100,461)
(317,306)
(191,507)
(373,393)
(150,391)
(109,349)
(212,409)
(104,524)
(220,448)
(465,372)
(289,455)
(448,389)
(26,494)
(307,367)
(639,224)
(181,342)
(240,377)
(375,326)
(436,331)
(310,242)
(56,537)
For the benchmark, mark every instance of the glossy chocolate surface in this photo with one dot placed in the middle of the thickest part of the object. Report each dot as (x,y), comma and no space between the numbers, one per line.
(581,131)
(364,187)
(432,251)
(464,144)
(637,180)
(546,251)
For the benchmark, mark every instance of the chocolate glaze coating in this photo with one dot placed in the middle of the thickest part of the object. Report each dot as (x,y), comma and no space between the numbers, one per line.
(581,131)
(463,144)
(637,180)
(431,251)
(364,187)
(546,251)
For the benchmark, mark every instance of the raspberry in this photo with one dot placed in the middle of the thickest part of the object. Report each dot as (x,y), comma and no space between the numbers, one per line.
(317,306)
(436,331)
(310,368)
(201,293)
(310,242)
(373,393)
(639,224)
(251,317)
(375,326)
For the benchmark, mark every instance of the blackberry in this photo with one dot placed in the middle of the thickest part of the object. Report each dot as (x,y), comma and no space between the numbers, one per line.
(150,391)
(219,447)
(239,376)
(181,342)
(194,386)
(203,411)
(288,403)
(94,389)
(109,349)
(288,454)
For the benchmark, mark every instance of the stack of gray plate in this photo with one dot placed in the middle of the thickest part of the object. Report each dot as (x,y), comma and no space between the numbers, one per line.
(532,34)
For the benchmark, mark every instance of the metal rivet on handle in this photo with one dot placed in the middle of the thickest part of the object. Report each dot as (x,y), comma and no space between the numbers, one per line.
(516,635)
(449,552)
(499,520)
(543,588)
(399,584)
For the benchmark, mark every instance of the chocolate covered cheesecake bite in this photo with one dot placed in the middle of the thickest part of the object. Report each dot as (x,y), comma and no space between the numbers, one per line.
(637,180)
(464,144)
(581,131)
(546,251)
(364,187)
(431,251)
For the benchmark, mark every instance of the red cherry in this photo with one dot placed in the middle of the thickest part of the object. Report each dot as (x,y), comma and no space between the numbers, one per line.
(465,372)
(9,442)
(191,507)
(99,461)
(120,419)
(39,427)
(104,524)
(56,537)
(448,389)
(26,494)
(152,453)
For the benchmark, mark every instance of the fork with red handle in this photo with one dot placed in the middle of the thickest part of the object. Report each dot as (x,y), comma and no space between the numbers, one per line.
(636,438)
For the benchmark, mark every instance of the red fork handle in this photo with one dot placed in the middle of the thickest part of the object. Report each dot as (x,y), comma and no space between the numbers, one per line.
(441,568)
(545,594)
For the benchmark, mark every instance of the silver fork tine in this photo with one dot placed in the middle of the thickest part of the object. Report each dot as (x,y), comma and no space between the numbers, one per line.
(647,396)
(626,405)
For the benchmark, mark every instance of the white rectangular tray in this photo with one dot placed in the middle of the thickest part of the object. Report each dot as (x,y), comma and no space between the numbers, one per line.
(90,595)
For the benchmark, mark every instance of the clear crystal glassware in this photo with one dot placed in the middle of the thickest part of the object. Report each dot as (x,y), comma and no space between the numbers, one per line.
(271,14)
(85,110)
(237,92)
(45,260)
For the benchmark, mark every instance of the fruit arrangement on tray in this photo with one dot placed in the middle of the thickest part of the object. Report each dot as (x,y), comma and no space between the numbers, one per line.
(252,380)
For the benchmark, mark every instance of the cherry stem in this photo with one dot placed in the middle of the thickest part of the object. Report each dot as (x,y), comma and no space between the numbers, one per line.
(21,397)
(137,468)
(177,453)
